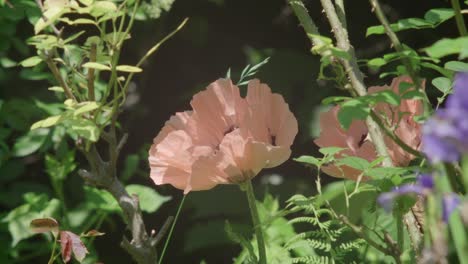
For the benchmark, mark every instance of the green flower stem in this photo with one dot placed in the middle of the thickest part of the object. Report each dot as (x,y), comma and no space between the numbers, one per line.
(172,229)
(54,246)
(248,188)
(459,18)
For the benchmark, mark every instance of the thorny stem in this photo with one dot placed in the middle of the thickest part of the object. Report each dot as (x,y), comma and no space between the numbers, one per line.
(459,18)
(172,229)
(248,188)
(357,82)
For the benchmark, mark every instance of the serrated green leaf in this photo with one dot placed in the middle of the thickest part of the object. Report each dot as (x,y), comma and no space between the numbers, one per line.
(150,200)
(128,68)
(31,62)
(96,66)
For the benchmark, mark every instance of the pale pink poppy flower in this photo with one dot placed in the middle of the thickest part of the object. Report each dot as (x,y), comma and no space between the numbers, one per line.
(225,139)
(356,140)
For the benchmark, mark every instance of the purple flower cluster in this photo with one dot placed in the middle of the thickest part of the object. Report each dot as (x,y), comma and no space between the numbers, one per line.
(445,135)
(423,186)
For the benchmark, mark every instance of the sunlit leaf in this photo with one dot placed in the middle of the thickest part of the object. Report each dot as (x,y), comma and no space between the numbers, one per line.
(96,66)
(31,62)
(128,68)
(149,199)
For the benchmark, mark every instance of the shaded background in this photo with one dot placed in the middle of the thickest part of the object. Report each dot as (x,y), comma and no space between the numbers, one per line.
(221,35)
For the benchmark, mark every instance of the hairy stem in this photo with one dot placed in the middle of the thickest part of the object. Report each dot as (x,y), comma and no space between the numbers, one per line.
(171,230)
(248,188)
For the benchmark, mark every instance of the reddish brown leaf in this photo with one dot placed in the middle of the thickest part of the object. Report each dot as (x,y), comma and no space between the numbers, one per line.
(66,246)
(43,225)
(93,233)
(72,242)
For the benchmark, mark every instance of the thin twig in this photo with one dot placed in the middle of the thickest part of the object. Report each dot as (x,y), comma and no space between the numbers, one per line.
(55,71)
(92,58)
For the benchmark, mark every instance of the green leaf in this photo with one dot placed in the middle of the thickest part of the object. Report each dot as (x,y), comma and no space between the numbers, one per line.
(100,200)
(309,160)
(376,63)
(351,110)
(438,15)
(31,62)
(334,99)
(456,66)
(48,122)
(442,84)
(96,66)
(56,89)
(404,24)
(101,8)
(130,167)
(85,107)
(84,128)
(353,162)
(58,169)
(445,47)
(329,151)
(413,94)
(30,143)
(240,239)
(128,68)
(19,219)
(386,96)
(150,200)
(380,172)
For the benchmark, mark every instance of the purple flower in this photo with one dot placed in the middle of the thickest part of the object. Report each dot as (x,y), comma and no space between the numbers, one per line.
(424,184)
(445,135)
(450,202)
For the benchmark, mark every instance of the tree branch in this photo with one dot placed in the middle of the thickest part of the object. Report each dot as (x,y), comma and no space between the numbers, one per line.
(142,246)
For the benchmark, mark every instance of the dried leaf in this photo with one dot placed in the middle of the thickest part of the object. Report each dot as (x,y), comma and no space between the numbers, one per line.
(43,225)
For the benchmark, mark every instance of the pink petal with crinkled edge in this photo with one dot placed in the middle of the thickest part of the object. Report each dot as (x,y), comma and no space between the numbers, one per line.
(176,122)
(205,174)
(243,158)
(170,160)
(217,111)
(332,134)
(270,121)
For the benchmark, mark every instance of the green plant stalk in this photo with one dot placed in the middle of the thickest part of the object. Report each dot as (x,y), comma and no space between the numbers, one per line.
(399,225)
(395,138)
(52,257)
(171,230)
(399,48)
(457,228)
(248,188)
(464,170)
(459,18)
